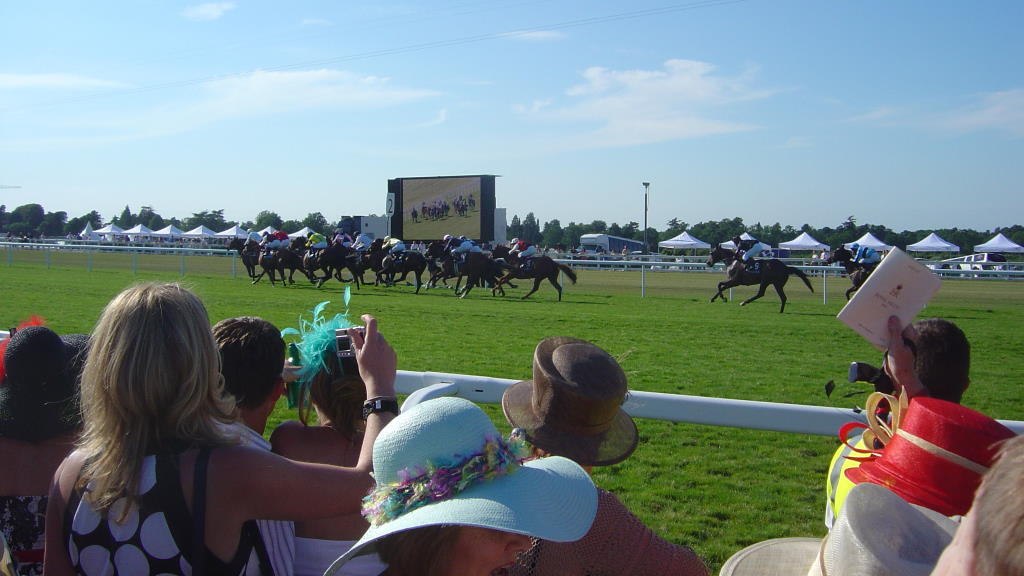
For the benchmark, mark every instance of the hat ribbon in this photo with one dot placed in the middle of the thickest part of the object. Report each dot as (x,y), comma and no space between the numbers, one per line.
(435,482)
(877,428)
(941,452)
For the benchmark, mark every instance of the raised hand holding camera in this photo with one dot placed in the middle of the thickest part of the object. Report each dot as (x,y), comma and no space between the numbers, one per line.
(376,358)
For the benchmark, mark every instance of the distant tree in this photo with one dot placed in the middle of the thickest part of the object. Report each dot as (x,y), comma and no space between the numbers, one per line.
(598,227)
(149,218)
(76,225)
(290,226)
(571,235)
(31,215)
(3,217)
(267,218)
(615,229)
(531,229)
(316,221)
(552,233)
(515,229)
(212,219)
(52,224)
(126,220)
(630,230)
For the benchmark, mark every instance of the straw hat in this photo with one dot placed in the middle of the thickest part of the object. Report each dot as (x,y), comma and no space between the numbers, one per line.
(572,407)
(877,534)
(39,395)
(549,498)
(937,455)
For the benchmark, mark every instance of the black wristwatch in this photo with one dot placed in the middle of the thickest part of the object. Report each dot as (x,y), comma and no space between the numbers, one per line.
(380,404)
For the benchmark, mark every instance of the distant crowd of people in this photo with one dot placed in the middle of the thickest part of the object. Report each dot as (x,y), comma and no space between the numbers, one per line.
(143,448)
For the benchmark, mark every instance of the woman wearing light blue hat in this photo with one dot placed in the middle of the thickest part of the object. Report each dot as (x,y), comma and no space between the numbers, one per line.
(454,497)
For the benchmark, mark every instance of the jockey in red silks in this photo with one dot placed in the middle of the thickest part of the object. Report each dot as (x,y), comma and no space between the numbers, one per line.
(524,250)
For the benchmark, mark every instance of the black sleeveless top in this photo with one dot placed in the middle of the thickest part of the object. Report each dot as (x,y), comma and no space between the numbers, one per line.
(154,538)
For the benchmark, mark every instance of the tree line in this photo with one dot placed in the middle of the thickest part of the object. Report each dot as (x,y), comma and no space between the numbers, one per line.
(33,220)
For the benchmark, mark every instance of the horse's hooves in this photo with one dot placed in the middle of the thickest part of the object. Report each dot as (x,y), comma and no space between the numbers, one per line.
(743,303)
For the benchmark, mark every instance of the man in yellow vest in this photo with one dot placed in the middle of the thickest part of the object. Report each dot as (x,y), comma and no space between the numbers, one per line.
(931,357)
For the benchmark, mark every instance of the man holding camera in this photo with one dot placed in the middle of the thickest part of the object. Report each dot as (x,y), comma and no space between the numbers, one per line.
(930,357)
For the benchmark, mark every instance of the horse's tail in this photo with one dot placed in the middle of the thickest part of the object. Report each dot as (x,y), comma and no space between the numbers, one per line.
(802,276)
(567,271)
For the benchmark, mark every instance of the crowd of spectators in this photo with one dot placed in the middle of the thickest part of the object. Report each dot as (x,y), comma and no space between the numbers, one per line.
(142,449)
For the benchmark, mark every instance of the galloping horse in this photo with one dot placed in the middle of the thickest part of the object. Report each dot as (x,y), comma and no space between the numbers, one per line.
(440,265)
(249,252)
(771,272)
(331,261)
(386,267)
(277,261)
(858,273)
(478,268)
(541,267)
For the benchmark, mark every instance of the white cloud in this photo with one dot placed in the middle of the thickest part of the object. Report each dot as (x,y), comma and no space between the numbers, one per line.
(208,11)
(440,118)
(535,35)
(876,115)
(60,81)
(316,22)
(998,111)
(634,107)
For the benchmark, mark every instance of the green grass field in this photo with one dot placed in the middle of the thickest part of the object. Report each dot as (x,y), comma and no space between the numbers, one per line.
(715,489)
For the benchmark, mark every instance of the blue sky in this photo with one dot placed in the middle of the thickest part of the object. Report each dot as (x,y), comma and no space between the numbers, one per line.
(908,114)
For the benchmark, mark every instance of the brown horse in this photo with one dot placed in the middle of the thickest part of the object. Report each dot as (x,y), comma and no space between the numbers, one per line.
(858,273)
(478,268)
(440,265)
(282,259)
(768,272)
(332,260)
(386,266)
(540,268)
(249,252)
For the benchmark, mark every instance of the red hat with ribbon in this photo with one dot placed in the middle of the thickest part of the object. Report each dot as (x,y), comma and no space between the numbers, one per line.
(935,453)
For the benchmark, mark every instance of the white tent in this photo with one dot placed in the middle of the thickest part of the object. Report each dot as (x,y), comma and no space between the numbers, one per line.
(171,231)
(199,232)
(869,240)
(267,230)
(233,232)
(88,233)
(932,243)
(731,246)
(110,230)
(306,231)
(683,241)
(999,243)
(804,242)
(139,230)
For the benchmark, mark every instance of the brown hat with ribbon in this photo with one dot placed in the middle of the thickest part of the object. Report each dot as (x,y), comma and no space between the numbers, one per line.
(572,407)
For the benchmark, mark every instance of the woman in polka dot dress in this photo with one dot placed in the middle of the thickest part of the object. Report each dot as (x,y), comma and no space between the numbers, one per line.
(154,451)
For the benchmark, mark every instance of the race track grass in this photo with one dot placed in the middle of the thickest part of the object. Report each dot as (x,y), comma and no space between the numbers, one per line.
(716,489)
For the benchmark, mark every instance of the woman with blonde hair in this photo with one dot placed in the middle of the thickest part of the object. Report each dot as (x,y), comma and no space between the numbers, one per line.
(329,384)
(157,485)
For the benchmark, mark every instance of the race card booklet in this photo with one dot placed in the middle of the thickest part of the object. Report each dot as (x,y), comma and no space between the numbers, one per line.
(900,286)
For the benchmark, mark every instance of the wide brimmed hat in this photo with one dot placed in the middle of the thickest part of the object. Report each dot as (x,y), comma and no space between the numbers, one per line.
(39,394)
(447,441)
(573,405)
(937,455)
(877,534)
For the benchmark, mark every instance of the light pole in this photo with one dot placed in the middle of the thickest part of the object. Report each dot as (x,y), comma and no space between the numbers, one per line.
(643,261)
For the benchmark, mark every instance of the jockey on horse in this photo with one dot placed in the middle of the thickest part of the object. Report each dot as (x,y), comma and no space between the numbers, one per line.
(316,242)
(525,251)
(464,246)
(745,252)
(275,240)
(395,247)
(867,257)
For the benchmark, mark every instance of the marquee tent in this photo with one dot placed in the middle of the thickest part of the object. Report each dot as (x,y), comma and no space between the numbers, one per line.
(88,233)
(233,232)
(138,230)
(682,242)
(869,240)
(803,242)
(267,230)
(199,232)
(171,231)
(110,230)
(999,243)
(932,243)
(306,231)
(728,244)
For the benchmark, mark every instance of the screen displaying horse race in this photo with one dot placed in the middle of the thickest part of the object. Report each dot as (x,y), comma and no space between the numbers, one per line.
(429,208)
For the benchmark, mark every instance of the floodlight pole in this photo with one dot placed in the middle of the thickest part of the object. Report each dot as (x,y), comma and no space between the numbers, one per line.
(643,261)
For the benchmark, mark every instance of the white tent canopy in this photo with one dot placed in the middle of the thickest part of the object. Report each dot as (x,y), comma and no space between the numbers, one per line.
(999,243)
(869,240)
(138,230)
(199,232)
(233,232)
(933,243)
(110,229)
(728,244)
(88,233)
(305,231)
(683,241)
(171,231)
(804,242)
(267,230)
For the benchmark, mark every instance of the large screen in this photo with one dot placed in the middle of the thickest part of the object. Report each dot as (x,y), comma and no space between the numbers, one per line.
(428,208)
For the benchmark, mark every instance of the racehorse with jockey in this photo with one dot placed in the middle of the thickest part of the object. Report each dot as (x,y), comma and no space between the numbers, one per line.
(746,250)
(525,251)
